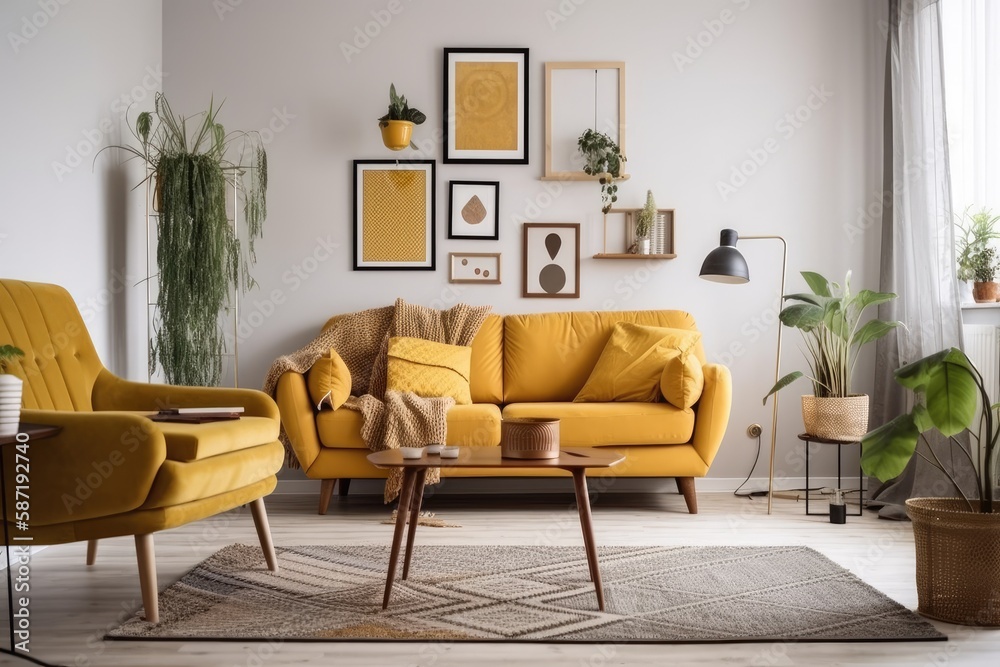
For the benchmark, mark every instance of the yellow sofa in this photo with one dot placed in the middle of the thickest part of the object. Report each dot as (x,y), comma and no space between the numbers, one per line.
(533,366)
(111,471)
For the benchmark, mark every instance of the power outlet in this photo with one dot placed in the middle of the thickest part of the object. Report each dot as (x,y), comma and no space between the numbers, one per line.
(754,431)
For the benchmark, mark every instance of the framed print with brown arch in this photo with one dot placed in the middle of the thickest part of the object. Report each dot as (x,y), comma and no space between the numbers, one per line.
(551,260)
(474,210)
(485,106)
(394,215)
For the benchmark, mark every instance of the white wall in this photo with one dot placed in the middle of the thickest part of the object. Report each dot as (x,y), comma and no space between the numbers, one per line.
(68,70)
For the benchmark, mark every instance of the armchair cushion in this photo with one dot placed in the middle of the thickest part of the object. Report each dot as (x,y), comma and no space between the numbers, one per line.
(609,424)
(194,442)
(477,425)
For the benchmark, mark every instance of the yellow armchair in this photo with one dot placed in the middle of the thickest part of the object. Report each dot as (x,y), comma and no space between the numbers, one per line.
(111,471)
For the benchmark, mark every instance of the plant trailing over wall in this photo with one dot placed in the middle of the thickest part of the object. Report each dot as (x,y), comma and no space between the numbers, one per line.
(602,157)
(830,322)
(974,232)
(645,217)
(201,261)
(8,354)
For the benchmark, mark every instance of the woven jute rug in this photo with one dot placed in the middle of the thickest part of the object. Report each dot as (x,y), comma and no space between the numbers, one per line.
(528,593)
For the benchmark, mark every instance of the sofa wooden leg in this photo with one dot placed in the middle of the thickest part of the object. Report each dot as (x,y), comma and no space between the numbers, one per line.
(264,533)
(147,576)
(91,552)
(343,487)
(325,493)
(686,486)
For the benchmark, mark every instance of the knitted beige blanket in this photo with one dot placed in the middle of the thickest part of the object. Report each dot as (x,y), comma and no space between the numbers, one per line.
(390,419)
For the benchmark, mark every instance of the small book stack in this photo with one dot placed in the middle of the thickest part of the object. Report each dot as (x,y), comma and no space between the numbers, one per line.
(197,415)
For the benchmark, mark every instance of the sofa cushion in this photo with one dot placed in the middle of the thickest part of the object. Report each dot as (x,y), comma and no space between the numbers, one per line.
(428,369)
(682,379)
(194,442)
(548,357)
(633,361)
(329,381)
(595,424)
(486,375)
(477,424)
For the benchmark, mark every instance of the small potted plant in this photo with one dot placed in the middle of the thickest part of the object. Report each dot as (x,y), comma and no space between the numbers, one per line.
(644,219)
(10,391)
(984,267)
(602,158)
(397,124)
(974,231)
(830,322)
(957,540)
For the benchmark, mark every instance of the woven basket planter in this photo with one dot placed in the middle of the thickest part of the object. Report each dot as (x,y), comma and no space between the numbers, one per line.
(529,438)
(958,561)
(843,419)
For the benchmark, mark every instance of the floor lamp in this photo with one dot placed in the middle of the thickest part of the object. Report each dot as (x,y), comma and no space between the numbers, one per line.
(726,264)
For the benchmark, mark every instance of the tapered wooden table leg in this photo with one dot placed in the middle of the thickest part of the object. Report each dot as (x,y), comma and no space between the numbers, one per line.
(405,493)
(586,523)
(416,500)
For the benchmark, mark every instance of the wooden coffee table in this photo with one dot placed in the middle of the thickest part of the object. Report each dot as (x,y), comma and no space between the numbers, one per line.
(575,460)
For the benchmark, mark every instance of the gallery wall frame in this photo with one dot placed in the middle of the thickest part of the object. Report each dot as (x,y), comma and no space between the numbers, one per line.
(550,255)
(485,118)
(394,212)
(566,83)
(474,267)
(474,210)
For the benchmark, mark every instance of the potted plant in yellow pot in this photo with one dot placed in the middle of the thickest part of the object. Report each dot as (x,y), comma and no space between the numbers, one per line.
(957,540)
(830,322)
(397,124)
(10,391)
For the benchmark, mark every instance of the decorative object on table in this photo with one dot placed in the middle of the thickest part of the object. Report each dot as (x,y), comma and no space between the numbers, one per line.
(397,124)
(984,268)
(202,266)
(532,593)
(603,159)
(569,89)
(450,452)
(830,321)
(551,255)
(838,510)
(529,438)
(474,210)
(973,233)
(643,228)
(11,387)
(474,267)
(434,448)
(839,444)
(625,218)
(486,106)
(394,210)
(726,264)
(957,539)
(411,452)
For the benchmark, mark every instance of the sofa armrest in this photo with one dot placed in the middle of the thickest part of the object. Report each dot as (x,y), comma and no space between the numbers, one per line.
(298,417)
(100,464)
(712,411)
(113,393)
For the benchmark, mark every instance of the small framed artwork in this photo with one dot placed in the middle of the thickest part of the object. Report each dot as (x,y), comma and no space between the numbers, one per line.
(474,267)
(486,106)
(551,255)
(394,212)
(474,210)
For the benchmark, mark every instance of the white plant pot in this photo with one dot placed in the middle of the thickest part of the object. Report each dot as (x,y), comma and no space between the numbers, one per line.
(10,404)
(644,246)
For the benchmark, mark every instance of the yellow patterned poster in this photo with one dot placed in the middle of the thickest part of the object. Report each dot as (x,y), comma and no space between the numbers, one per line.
(394,216)
(486,106)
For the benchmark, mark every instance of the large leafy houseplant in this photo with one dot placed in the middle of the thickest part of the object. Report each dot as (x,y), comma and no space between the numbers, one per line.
(201,262)
(602,158)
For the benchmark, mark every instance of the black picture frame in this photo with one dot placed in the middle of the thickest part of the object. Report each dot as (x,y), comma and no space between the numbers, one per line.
(459,193)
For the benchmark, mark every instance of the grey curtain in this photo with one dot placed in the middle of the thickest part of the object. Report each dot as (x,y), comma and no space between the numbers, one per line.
(918,240)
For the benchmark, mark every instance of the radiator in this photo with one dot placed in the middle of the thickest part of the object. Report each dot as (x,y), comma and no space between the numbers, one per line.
(982,347)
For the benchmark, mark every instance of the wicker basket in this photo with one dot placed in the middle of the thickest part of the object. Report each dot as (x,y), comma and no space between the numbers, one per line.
(529,438)
(844,419)
(958,561)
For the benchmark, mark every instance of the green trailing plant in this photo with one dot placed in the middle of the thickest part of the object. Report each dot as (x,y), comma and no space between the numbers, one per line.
(947,388)
(603,158)
(200,260)
(645,217)
(974,231)
(830,322)
(983,264)
(9,354)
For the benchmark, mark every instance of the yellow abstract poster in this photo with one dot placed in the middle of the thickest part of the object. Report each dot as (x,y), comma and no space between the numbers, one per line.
(486,106)
(394,215)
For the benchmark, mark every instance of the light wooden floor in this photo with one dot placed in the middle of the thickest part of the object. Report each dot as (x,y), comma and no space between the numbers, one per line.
(72,608)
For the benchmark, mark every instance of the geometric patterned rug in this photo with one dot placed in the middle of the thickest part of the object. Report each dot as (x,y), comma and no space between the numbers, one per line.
(528,593)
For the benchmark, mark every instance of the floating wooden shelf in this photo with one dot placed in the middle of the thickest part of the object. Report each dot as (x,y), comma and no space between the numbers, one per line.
(628,255)
(629,224)
(580,176)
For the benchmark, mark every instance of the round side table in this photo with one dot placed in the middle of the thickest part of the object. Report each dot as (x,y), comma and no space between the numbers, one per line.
(807,438)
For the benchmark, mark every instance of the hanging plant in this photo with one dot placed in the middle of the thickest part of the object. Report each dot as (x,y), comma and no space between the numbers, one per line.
(603,158)
(200,260)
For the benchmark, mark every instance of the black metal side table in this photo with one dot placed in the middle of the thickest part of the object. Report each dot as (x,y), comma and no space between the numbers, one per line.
(807,438)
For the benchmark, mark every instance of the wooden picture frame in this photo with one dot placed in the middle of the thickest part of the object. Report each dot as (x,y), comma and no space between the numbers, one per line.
(474,210)
(567,85)
(394,211)
(485,118)
(474,267)
(550,260)
(625,217)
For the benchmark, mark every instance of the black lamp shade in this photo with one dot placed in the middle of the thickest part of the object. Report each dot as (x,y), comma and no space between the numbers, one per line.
(726,264)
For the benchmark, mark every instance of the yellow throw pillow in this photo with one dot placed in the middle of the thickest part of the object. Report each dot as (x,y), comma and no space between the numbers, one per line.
(329,381)
(632,362)
(682,380)
(429,369)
